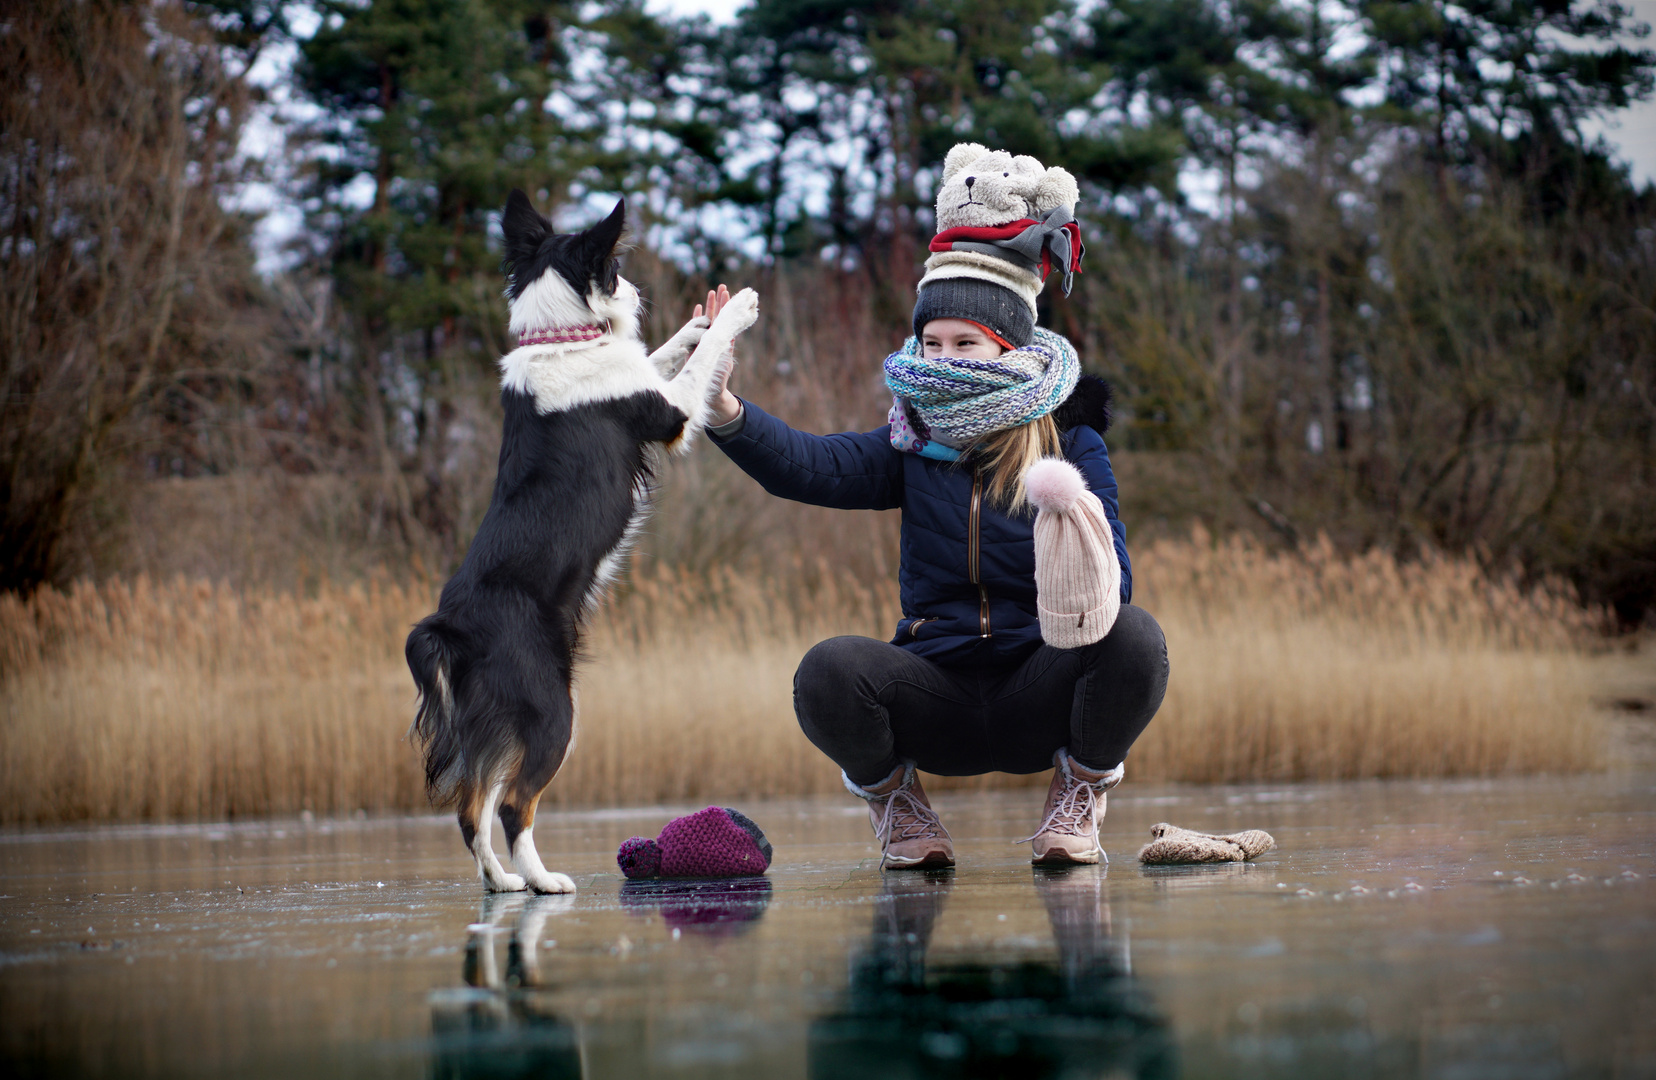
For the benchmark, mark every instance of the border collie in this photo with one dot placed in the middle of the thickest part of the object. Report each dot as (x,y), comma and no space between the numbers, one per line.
(585,407)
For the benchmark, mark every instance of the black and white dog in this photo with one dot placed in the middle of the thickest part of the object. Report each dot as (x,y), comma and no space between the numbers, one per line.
(585,406)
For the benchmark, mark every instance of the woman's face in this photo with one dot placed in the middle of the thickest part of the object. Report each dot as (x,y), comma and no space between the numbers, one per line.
(958,339)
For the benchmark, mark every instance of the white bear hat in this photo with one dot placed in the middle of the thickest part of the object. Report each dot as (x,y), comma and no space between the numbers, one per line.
(1004,223)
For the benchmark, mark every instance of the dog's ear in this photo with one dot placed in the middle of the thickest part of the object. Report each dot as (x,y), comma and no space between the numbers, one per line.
(524,230)
(602,237)
(598,248)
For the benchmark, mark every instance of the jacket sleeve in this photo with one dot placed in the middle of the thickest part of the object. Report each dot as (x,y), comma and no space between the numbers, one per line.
(1088,454)
(850,471)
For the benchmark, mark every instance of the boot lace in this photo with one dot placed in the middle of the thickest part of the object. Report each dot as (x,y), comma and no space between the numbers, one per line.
(907,818)
(1071,813)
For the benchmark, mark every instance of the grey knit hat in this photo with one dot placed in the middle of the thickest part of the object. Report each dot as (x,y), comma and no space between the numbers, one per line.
(976,300)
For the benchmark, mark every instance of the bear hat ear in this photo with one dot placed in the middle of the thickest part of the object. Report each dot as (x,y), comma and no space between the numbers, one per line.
(1056,188)
(1028,166)
(961,156)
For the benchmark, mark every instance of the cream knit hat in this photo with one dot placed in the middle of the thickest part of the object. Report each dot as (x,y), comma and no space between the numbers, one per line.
(1077,576)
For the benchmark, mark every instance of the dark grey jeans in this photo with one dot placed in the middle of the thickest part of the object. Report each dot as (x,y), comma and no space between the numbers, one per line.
(870,705)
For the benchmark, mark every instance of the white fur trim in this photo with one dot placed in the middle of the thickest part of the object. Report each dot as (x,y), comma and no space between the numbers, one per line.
(863,793)
(1054,484)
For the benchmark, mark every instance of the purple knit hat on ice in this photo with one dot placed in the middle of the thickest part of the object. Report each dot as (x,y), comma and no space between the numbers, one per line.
(716,842)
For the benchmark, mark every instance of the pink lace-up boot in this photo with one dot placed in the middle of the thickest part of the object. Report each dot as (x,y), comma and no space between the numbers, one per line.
(1074,803)
(911,836)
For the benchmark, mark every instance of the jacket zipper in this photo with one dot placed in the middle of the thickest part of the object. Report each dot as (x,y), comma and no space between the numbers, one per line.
(974,529)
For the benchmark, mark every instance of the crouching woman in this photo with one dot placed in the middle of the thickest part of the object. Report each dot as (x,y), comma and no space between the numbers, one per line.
(989,412)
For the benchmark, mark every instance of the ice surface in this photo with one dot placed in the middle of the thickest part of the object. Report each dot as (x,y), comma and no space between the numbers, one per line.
(1447,929)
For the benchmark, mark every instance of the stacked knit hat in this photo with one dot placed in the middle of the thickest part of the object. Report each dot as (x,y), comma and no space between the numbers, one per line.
(1003,224)
(716,842)
(1077,574)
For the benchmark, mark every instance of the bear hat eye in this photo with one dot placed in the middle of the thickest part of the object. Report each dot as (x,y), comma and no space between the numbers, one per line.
(1006,174)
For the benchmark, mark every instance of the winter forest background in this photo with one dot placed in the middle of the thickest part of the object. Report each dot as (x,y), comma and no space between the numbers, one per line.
(1355,268)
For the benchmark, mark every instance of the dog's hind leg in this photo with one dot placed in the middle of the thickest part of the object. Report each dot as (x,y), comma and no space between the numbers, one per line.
(517,813)
(477,810)
(524,855)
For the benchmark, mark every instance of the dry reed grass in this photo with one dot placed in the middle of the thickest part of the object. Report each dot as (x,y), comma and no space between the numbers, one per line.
(140,699)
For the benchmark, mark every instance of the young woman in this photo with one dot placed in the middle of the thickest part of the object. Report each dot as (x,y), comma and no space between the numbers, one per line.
(966,685)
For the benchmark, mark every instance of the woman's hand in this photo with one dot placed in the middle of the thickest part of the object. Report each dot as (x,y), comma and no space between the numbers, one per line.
(724,407)
(715,300)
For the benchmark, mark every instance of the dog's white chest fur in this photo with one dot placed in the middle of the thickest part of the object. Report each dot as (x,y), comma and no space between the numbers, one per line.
(561,377)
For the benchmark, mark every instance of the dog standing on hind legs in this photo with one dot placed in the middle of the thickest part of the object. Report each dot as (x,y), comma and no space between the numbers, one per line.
(585,410)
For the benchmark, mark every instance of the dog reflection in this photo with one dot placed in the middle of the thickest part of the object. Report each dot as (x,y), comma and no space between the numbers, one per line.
(500,1029)
(904,1016)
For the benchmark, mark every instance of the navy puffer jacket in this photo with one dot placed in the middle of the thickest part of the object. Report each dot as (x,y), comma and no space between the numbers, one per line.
(967,576)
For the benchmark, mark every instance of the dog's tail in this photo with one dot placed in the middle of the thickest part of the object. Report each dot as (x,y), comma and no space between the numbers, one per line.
(431,659)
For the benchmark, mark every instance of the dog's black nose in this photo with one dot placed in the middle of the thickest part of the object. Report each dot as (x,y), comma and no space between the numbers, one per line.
(970,180)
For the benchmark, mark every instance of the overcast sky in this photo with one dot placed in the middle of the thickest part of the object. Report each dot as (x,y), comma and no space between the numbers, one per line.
(1632,131)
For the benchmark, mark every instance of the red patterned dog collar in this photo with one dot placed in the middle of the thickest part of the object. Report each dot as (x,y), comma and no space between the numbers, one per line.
(560,335)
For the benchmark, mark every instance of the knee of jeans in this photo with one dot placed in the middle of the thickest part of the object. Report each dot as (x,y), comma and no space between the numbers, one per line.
(1139,631)
(828,670)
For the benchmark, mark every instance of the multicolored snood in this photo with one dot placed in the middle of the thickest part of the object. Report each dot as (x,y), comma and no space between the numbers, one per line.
(941,405)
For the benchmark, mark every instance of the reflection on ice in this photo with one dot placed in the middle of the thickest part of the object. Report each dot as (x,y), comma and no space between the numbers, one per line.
(501,1036)
(717,908)
(523,951)
(507,1025)
(905,1014)
(1400,930)
(496,1029)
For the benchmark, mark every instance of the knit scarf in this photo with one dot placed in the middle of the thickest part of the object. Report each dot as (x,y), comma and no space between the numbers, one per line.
(943,404)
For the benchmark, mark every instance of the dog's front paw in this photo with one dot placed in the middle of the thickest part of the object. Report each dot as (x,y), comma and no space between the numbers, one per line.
(667,358)
(690,334)
(552,883)
(740,313)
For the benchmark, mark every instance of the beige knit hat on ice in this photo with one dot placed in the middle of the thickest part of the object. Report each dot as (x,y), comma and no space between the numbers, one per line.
(1077,576)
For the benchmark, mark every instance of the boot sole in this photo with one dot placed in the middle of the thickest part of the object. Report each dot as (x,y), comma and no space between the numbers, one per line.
(1059,857)
(935,860)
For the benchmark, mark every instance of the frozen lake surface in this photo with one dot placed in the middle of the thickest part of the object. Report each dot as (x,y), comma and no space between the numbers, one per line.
(1448,929)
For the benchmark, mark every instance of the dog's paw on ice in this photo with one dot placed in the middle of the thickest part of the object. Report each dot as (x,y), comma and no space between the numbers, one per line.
(506,883)
(553,883)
